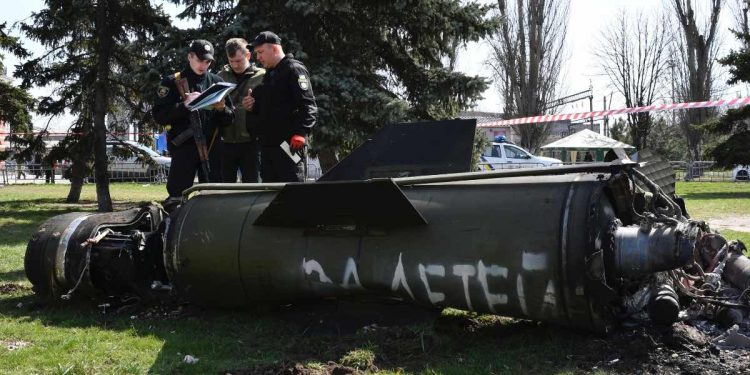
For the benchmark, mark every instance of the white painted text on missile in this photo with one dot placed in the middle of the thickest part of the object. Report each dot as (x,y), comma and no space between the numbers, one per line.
(430,273)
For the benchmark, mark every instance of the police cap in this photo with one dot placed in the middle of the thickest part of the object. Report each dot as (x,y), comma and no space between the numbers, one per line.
(203,49)
(266,37)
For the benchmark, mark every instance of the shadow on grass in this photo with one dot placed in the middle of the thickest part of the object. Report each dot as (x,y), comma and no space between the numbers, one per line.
(271,339)
(12,276)
(716,195)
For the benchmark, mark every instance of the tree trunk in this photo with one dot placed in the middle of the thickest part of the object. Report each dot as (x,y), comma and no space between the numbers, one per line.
(699,51)
(76,182)
(104,201)
(527,59)
(694,138)
(79,157)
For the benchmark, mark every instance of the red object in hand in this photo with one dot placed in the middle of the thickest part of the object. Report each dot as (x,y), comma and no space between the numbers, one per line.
(297,142)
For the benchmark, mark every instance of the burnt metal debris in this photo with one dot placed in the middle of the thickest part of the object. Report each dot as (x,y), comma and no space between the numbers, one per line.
(588,246)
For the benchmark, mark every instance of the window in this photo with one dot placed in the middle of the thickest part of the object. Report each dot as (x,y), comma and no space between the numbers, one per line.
(512,152)
(496,152)
(492,151)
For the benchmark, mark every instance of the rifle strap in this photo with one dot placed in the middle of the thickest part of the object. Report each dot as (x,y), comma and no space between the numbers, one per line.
(213,138)
(181,85)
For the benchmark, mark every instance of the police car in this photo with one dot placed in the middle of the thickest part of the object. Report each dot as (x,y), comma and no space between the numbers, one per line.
(503,154)
(131,161)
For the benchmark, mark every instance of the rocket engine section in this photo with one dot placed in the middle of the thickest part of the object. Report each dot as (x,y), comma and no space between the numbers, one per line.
(575,246)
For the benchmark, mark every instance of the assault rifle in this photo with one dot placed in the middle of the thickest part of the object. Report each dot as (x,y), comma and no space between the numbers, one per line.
(195,130)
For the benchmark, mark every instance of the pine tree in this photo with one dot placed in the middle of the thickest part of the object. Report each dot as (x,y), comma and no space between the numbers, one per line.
(736,148)
(95,51)
(371,62)
(15,104)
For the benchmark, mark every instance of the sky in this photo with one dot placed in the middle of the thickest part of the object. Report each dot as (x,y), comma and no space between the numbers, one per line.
(588,18)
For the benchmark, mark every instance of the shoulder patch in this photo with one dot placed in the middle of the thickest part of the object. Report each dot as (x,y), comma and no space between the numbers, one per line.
(162,91)
(302,81)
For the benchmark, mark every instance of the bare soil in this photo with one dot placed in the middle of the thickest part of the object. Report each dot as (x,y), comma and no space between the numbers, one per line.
(679,349)
(739,223)
(10,288)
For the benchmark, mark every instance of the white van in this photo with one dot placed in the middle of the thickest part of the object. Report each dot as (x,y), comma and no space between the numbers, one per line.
(505,155)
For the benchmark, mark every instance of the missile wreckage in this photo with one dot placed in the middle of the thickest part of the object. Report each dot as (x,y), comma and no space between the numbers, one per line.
(584,246)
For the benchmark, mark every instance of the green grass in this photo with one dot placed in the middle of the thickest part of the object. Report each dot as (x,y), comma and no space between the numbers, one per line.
(714,200)
(78,338)
(708,200)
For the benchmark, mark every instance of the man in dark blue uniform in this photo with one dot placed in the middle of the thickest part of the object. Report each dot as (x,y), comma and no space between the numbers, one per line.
(170,110)
(284,105)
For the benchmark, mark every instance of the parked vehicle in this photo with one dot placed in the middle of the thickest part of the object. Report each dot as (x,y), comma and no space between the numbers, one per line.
(741,173)
(505,155)
(132,161)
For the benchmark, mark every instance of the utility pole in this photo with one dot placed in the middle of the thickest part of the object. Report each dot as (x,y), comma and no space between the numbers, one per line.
(671,67)
(605,121)
(591,103)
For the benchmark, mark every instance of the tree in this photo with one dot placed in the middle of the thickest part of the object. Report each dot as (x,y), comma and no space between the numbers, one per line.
(735,149)
(94,49)
(619,132)
(15,103)
(697,48)
(633,54)
(667,140)
(527,61)
(371,62)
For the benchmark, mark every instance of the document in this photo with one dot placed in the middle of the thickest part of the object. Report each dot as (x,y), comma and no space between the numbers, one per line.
(211,95)
(294,155)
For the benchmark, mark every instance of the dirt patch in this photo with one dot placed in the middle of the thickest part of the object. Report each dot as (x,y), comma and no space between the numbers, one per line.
(677,349)
(10,288)
(12,345)
(737,223)
(681,348)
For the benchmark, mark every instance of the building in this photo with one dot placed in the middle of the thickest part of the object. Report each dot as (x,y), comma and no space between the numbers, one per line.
(484,118)
(558,129)
(4,127)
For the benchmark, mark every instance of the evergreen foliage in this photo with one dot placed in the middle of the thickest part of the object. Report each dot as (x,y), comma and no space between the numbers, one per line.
(735,149)
(95,52)
(371,62)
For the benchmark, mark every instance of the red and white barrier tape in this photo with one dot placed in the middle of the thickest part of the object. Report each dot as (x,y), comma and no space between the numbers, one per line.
(584,115)
(20,134)
(553,118)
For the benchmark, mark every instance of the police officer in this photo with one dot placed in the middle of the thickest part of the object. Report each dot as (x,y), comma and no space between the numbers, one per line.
(170,110)
(285,105)
(241,150)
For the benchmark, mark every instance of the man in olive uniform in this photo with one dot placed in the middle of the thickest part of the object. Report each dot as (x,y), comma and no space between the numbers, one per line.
(285,106)
(241,149)
(170,110)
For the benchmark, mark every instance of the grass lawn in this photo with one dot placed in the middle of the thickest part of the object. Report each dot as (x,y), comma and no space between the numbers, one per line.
(714,200)
(80,338)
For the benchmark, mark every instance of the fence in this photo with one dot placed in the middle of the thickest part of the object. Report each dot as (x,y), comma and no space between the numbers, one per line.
(29,173)
(705,171)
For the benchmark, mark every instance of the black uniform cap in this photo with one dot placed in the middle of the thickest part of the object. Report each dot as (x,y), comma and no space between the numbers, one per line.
(266,37)
(203,49)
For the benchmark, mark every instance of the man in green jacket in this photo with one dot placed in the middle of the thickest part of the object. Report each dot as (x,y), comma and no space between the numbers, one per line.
(241,149)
